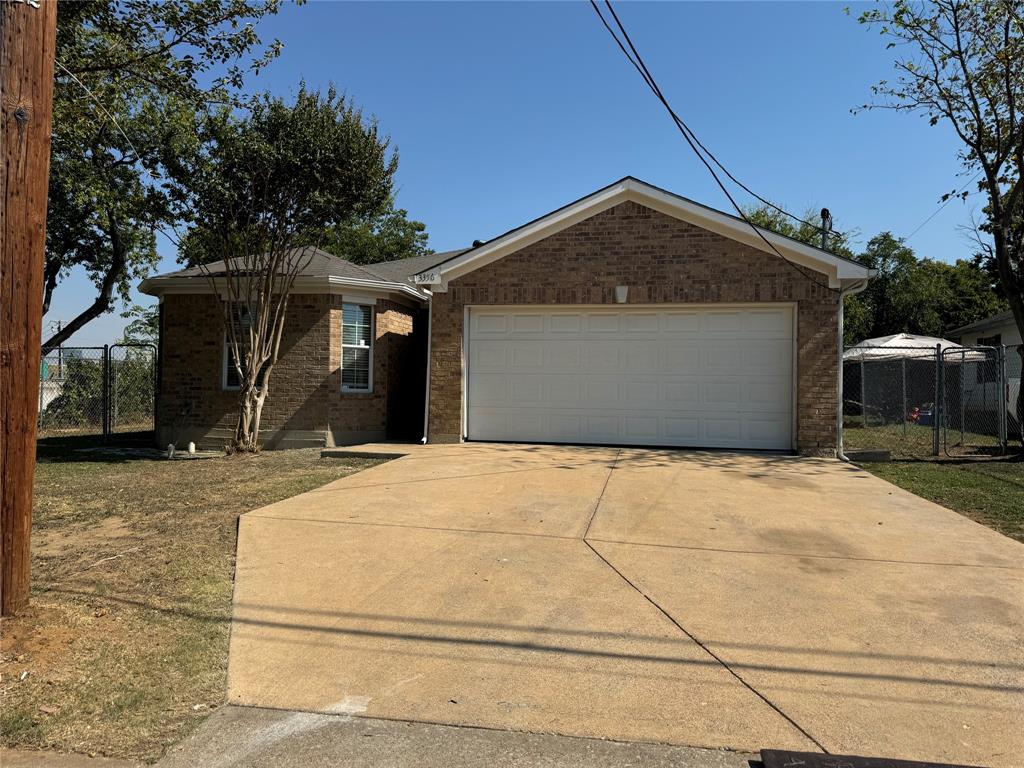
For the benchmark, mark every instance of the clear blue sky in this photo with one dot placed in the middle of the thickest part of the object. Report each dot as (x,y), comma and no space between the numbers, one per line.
(504,111)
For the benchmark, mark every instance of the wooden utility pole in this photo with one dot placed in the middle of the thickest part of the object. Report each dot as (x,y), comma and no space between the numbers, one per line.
(27,40)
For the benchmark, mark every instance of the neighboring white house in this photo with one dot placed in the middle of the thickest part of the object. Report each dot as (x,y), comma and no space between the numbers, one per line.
(992,331)
(999,329)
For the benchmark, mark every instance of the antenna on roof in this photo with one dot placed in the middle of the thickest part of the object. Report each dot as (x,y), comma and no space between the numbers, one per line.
(826,227)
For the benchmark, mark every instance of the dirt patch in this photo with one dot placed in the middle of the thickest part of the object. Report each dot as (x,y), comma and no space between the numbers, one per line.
(61,542)
(124,648)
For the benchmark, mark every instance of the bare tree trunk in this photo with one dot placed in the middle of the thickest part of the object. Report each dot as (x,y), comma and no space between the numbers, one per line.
(257,415)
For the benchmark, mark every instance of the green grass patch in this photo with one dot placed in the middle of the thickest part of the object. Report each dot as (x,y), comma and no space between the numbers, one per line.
(989,491)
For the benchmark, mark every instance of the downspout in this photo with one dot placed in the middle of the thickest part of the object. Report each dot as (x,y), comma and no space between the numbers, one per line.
(843,293)
(426,395)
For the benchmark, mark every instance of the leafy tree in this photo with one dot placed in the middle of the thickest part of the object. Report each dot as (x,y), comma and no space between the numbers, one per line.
(387,237)
(264,188)
(962,65)
(856,312)
(806,231)
(144,327)
(131,76)
(921,296)
(908,294)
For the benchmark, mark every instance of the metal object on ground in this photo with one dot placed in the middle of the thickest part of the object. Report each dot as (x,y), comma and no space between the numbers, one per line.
(773,758)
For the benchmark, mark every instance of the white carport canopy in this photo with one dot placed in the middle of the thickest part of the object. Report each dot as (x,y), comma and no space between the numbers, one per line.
(908,346)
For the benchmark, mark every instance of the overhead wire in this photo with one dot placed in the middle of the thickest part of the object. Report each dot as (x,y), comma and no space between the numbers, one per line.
(691,139)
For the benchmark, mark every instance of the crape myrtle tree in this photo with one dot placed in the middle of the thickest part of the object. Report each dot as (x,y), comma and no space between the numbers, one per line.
(961,64)
(130,77)
(266,187)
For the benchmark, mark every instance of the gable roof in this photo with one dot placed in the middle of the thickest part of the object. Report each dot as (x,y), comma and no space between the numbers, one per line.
(839,271)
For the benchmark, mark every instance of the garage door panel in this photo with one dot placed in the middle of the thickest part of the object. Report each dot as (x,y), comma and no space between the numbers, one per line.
(682,393)
(777,322)
(601,357)
(642,356)
(723,321)
(603,322)
(677,376)
(680,358)
(725,355)
(764,355)
(527,355)
(640,429)
(566,323)
(528,324)
(642,393)
(681,323)
(490,388)
(643,323)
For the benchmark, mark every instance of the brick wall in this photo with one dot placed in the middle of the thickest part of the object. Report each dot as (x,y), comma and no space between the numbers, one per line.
(358,416)
(305,406)
(662,260)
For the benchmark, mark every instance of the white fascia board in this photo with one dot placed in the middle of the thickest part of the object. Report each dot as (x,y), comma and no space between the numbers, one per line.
(524,236)
(157,286)
(837,270)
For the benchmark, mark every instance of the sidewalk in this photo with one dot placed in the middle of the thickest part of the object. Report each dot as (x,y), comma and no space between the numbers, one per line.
(242,737)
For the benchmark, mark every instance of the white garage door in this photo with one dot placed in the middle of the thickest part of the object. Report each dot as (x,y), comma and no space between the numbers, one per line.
(718,377)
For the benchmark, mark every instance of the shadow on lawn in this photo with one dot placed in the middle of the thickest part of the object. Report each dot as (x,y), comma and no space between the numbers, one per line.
(116,449)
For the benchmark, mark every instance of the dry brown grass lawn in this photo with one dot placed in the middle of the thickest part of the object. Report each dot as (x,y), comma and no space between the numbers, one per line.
(124,648)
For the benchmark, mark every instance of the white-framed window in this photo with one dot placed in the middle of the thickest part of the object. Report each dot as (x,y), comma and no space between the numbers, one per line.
(356,347)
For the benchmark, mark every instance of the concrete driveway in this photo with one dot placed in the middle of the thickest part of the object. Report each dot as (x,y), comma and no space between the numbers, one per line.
(694,598)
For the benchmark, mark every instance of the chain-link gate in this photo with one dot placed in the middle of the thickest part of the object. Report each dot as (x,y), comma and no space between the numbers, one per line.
(974,398)
(97,390)
(891,400)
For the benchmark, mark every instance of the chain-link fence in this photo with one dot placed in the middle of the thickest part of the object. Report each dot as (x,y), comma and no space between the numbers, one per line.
(1012,366)
(913,401)
(97,390)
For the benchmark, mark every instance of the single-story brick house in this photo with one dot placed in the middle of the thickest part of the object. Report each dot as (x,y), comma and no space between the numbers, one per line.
(632,316)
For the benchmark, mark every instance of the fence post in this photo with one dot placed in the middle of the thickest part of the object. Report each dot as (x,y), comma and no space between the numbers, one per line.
(1002,396)
(963,387)
(937,406)
(903,367)
(863,398)
(106,392)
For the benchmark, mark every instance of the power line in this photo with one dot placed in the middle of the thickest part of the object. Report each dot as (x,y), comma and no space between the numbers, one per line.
(99,104)
(649,79)
(943,205)
(117,125)
(691,138)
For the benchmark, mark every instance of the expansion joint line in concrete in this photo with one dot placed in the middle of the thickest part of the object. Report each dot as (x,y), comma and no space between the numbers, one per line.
(724,664)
